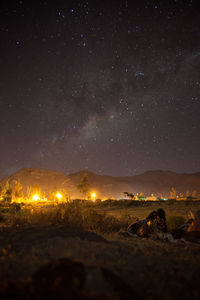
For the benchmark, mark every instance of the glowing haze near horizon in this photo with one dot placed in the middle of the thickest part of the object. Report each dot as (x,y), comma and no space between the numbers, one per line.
(107,86)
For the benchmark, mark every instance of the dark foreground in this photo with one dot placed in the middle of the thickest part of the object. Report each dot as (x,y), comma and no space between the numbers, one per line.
(65,262)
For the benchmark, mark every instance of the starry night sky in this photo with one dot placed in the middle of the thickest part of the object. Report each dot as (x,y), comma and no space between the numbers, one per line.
(107,86)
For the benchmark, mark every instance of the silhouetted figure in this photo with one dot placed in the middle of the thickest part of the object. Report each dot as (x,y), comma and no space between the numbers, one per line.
(189,231)
(159,219)
(181,230)
(154,223)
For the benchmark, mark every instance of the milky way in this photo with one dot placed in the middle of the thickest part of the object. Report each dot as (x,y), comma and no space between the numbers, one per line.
(108,86)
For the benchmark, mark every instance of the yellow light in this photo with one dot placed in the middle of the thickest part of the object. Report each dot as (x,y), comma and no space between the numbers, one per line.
(58,196)
(93,195)
(36,197)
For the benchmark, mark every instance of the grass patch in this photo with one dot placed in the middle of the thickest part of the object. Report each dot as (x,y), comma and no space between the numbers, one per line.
(101,216)
(76,213)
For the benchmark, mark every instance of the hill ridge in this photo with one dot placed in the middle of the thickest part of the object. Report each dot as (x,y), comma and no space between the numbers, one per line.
(158,182)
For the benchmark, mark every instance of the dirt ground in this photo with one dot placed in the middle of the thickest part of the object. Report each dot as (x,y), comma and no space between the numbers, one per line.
(152,269)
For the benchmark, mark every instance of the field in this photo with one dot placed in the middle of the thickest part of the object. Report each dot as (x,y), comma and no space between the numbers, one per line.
(111,266)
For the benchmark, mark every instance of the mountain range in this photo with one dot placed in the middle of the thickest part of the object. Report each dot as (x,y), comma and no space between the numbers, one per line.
(155,182)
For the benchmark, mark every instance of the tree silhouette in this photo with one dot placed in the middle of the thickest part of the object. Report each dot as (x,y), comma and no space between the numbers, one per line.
(7,192)
(83,186)
(129,195)
(17,190)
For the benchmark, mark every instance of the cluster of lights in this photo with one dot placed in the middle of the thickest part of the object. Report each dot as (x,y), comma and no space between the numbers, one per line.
(36,197)
(58,196)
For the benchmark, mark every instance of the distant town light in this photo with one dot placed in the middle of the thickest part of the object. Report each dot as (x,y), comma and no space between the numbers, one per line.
(59,196)
(36,197)
(93,196)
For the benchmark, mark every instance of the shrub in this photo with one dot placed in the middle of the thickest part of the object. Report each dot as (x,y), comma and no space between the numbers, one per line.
(14,208)
(92,220)
(17,220)
(70,213)
(77,213)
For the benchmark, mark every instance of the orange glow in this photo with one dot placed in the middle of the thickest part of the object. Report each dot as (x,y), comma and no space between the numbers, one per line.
(93,196)
(59,196)
(35,197)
